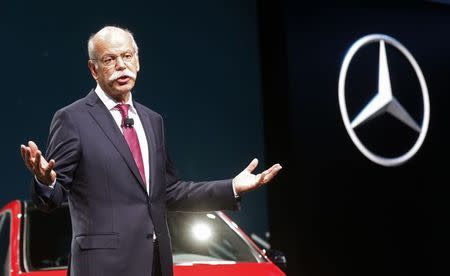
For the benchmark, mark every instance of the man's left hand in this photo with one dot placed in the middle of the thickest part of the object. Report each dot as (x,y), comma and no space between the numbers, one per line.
(246,181)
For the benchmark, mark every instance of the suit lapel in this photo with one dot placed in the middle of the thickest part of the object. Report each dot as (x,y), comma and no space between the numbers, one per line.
(106,122)
(150,135)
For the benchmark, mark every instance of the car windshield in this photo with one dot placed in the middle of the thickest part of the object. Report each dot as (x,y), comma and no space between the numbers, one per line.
(206,237)
(196,238)
(48,237)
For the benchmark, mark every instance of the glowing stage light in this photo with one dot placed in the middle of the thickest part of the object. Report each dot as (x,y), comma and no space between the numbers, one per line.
(201,231)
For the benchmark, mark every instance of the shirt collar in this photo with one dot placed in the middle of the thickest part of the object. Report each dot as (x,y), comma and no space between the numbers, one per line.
(109,102)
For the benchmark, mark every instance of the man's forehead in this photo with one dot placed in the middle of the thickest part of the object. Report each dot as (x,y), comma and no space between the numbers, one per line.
(114,42)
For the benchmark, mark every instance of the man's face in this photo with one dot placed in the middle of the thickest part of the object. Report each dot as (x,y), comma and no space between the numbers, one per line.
(116,64)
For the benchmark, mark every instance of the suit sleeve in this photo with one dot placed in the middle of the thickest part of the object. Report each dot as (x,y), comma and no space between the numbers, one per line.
(197,196)
(64,147)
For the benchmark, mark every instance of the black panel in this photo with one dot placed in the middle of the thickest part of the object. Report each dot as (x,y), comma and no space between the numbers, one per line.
(336,212)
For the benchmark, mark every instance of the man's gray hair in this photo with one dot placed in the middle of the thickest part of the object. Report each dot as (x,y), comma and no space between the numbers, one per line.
(101,33)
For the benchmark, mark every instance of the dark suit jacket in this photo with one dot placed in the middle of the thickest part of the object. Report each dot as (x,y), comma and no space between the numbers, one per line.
(112,216)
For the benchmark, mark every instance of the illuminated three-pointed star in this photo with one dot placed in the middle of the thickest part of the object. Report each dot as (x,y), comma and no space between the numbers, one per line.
(384,101)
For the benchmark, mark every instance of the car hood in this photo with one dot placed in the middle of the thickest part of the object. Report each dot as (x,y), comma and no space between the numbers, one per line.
(238,269)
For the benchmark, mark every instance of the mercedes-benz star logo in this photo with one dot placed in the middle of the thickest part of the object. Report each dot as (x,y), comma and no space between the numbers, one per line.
(384,101)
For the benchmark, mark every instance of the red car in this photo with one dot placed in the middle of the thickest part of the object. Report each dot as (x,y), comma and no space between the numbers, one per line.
(37,243)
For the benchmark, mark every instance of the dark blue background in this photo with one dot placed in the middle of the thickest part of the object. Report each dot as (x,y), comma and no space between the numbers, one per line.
(231,77)
(199,69)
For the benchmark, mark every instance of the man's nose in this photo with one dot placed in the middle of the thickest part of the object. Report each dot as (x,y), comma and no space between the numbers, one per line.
(120,64)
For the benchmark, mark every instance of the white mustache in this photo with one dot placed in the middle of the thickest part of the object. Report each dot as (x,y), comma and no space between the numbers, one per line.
(124,73)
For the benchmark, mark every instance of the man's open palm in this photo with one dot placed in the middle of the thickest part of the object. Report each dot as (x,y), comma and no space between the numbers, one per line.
(37,164)
(246,181)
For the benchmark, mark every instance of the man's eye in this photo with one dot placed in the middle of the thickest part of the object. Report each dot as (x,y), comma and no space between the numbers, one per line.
(107,60)
(128,56)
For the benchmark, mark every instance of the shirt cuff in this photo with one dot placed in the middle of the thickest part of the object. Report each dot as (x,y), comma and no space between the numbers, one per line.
(43,189)
(234,190)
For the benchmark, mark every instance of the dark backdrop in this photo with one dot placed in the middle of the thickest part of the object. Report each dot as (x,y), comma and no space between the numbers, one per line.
(199,69)
(332,211)
(336,212)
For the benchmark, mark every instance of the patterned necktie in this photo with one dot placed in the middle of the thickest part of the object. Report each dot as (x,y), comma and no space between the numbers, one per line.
(131,136)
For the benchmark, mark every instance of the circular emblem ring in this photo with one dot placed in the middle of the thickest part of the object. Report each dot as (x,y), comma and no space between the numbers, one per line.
(384,161)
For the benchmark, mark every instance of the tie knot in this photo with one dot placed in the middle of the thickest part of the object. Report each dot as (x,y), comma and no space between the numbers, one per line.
(123,108)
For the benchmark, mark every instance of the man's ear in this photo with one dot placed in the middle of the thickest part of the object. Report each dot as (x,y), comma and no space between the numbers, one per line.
(137,63)
(93,69)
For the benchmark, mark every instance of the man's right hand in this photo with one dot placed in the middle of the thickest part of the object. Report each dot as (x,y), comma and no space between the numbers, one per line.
(37,164)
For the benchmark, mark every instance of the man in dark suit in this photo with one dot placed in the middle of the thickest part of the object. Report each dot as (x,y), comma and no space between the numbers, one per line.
(107,156)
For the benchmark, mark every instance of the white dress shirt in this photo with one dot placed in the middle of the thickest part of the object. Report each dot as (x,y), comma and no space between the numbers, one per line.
(110,104)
